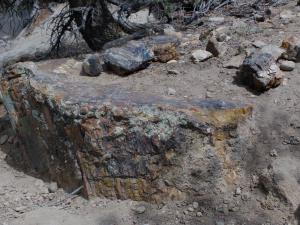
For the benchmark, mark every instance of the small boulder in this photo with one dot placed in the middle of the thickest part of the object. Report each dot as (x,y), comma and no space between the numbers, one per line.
(216,20)
(218,49)
(259,71)
(139,209)
(92,66)
(292,47)
(128,58)
(200,55)
(287,65)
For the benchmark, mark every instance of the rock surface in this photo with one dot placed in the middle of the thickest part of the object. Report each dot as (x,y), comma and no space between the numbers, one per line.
(86,134)
(128,58)
(287,65)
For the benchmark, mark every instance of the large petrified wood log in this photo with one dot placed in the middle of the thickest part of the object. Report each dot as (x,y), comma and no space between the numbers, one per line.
(119,143)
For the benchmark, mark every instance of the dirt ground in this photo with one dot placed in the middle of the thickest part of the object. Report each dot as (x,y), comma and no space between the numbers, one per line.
(275,127)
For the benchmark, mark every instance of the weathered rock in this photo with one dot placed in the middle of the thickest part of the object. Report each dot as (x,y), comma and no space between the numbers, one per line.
(292,46)
(287,65)
(260,71)
(218,49)
(275,51)
(92,66)
(200,55)
(128,58)
(94,147)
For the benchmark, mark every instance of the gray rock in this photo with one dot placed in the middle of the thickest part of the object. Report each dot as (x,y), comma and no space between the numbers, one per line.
(171,91)
(274,153)
(195,205)
(218,49)
(53,187)
(129,58)
(259,44)
(287,65)
(260,72)
(139,209)
(199,214)
(201,55)
(3,139)
(92,66)
(273,50)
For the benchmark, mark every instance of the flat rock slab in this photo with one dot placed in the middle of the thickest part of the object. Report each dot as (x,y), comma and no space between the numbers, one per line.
(118,143)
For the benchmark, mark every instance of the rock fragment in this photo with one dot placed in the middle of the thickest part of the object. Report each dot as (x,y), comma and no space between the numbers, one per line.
(53,187)
(200,55)
(92,65)
(286,15)
(286,65)
(260,72)
(128,58)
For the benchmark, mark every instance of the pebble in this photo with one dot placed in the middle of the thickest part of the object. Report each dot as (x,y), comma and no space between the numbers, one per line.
(238,191)
(3,139)
(286,14)
(53,187)
(139,209)
(195,205)
(171,91)
(191,209)
(172,61)
(199,214)
(200,55)
(173,72)
(274,153)
(287,65)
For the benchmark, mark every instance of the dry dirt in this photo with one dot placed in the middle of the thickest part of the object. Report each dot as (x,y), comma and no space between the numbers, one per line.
(275,125)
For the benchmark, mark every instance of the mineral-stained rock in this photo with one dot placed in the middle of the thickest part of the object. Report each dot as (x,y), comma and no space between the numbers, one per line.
(260,71)
(118,143)
(292,46)
(164,47)
(128,58)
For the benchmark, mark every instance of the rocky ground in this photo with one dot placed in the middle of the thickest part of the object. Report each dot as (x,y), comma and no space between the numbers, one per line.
(267,188)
